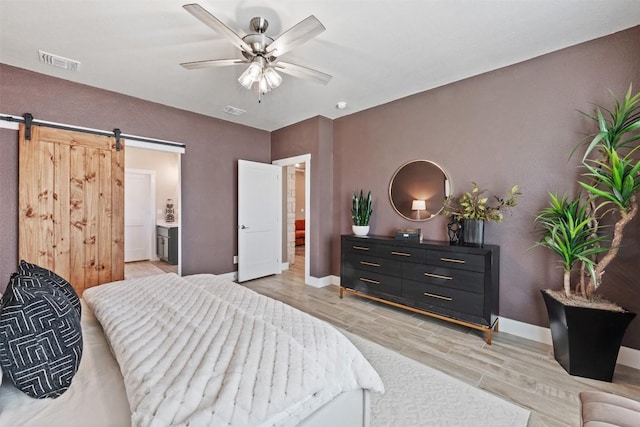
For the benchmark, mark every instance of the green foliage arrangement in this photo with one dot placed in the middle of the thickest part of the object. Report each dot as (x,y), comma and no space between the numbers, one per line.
(361,208)
(568,231)
(572,229)
(475,205)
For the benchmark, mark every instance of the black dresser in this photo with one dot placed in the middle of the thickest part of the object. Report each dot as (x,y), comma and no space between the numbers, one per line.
(459,284)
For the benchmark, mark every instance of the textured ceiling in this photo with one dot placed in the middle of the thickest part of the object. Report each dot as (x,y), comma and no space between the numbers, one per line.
(377,51)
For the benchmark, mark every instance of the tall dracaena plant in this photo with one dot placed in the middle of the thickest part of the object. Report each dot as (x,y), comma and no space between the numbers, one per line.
(613,179)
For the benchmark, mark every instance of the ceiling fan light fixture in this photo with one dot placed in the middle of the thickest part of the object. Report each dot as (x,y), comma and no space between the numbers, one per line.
(263,85)
(245,79)
(272,77)
(261,50)
(255,70)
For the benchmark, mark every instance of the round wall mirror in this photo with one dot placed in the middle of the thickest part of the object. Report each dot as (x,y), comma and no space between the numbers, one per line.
(417,190)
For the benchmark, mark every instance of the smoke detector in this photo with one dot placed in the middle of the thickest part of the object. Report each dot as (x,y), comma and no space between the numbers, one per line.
(58,61)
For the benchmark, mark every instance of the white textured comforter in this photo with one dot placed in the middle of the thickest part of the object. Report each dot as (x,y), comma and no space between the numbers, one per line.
(200,350)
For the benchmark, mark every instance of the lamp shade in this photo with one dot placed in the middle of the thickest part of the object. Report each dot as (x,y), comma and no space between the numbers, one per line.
(263,86)
(419,205)
(272,77)
(255,70)
(245,79)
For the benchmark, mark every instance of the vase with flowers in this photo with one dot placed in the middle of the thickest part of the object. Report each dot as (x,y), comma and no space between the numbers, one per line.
(472,208)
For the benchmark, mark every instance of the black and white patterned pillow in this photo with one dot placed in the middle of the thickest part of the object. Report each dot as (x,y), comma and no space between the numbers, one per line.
(29,269)
(40,337)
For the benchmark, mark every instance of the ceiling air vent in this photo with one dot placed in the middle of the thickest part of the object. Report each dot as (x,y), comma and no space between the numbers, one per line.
(58,61)
(234,111)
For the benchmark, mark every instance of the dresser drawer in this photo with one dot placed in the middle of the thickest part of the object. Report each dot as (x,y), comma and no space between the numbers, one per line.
(360,246)
(442,276)
(385,266)
(427,295)
(462,261)
(402,253)
(369,282)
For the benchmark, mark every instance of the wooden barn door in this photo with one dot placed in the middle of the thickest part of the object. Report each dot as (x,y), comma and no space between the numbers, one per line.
(71,205)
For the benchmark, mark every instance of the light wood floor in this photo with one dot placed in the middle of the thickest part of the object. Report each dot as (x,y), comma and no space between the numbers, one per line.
(521,371)
(167,268)
(142,267)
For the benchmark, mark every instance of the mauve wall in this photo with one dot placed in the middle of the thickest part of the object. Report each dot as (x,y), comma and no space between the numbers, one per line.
(209,166)
(313,136)
(516,125)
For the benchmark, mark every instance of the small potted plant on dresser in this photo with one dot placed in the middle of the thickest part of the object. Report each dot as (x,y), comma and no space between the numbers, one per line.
(472,209)
(361,213)
(586,329)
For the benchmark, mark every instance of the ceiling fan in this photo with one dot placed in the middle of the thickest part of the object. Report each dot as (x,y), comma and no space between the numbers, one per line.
(261,52)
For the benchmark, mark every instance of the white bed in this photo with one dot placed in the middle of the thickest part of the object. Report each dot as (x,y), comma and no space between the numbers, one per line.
(131,313)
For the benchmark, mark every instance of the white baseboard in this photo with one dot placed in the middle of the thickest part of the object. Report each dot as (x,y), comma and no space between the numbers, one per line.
(629,357)
(318,282)
(525,330)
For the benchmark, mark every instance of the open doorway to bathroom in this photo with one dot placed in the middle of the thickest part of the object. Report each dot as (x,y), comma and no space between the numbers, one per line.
(152,212)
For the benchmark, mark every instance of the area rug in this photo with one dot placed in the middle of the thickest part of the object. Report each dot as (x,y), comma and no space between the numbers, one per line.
(417,395)
(140,269)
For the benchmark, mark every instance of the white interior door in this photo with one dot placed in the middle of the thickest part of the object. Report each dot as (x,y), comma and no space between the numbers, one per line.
(259,213)
(138,215)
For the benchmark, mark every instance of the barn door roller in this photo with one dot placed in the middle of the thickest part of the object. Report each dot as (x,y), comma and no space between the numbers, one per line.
(28,119)
(116,133)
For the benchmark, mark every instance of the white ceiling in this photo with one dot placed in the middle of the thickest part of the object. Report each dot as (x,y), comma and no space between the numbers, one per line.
(377,51)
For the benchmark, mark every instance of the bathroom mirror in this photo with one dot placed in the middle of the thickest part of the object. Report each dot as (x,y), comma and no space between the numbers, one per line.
(417,190)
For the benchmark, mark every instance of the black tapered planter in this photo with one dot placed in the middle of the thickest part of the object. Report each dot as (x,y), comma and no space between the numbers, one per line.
(473,232)
(586,341)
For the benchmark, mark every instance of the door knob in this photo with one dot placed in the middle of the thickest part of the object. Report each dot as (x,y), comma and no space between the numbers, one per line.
(243,227)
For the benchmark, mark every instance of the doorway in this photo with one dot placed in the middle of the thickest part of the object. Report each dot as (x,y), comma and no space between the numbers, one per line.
(164,169)
(292,208)
(139,220)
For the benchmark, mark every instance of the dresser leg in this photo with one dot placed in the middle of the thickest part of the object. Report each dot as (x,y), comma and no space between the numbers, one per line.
(490,331)
(341,291)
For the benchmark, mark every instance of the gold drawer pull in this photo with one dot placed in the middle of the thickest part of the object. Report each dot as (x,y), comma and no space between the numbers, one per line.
(361,248)
(372,264)
(459,261)
(438,276)
(375,282)
(427,294)
(400,253)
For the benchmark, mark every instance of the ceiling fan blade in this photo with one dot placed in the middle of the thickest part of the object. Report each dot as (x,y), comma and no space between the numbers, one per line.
(217,25)
(212,63)
(301,32)
(303,72)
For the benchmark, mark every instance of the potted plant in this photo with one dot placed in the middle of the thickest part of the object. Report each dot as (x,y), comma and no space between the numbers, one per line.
(587,330)
(361,213)
(473,208)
